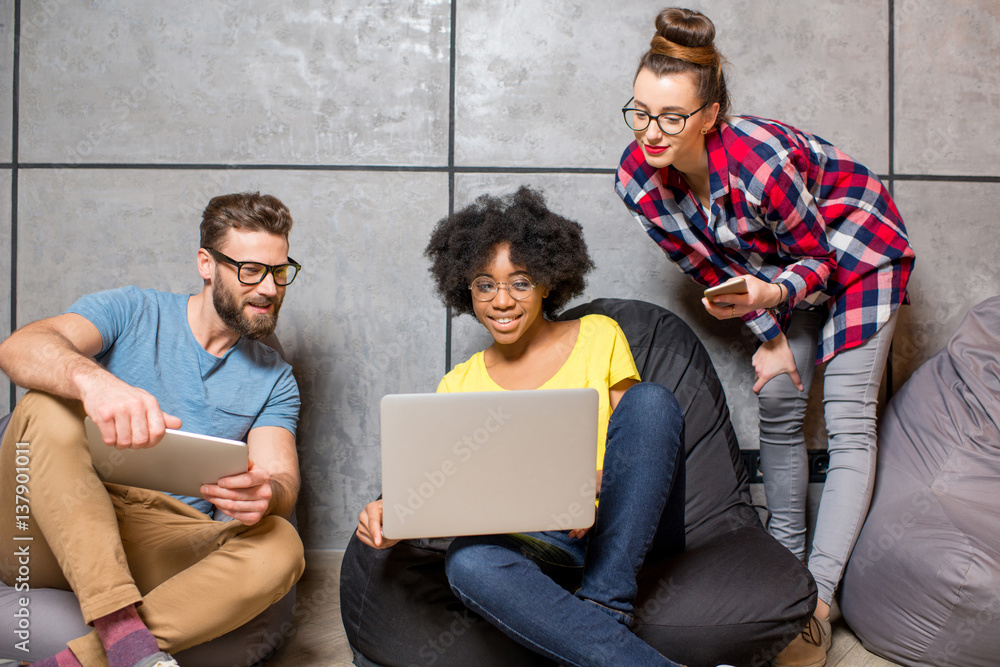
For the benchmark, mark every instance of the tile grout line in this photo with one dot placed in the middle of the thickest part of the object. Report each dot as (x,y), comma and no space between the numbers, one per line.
(891,180)
(216,166)
(15,121)
(452,64)
(892,176)
(892,94)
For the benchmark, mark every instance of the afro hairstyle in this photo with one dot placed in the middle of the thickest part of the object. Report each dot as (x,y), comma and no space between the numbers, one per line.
(549,247)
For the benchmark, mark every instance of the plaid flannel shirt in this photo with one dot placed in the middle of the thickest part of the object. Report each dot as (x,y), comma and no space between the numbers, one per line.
(787,207)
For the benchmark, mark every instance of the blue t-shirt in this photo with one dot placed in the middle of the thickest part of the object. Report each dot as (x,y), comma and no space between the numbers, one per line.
(148,343)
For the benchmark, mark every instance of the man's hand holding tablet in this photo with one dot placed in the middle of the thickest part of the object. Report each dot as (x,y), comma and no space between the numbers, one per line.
(180,463)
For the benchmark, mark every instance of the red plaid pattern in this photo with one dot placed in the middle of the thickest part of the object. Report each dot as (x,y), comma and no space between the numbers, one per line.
(788,207)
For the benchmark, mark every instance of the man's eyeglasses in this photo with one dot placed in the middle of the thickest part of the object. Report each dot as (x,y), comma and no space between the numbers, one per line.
(669,123)
(486,289)
(253,273)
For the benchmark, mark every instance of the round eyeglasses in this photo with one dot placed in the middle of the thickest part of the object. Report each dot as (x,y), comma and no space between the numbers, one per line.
(253,273)
(486,289)
(669,123)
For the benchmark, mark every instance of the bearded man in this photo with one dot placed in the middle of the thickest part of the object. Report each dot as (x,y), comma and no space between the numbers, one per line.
(156,573)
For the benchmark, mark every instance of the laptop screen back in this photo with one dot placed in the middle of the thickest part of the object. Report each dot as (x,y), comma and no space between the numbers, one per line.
(481,463)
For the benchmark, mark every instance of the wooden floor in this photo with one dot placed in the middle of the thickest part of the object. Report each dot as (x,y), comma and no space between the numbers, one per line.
(319,639)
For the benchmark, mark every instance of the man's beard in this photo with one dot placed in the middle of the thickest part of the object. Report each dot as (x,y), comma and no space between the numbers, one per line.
(256,326)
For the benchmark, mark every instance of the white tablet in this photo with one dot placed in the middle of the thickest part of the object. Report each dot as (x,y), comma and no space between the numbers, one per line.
(180,463)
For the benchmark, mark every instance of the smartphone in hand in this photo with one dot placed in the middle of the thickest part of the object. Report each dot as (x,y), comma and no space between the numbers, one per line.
(731,286)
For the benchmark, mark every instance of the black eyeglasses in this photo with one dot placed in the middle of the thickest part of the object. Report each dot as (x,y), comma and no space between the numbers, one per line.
(669,123)
(253,273)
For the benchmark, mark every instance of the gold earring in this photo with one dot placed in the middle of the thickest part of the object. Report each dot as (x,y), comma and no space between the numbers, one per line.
(704,130)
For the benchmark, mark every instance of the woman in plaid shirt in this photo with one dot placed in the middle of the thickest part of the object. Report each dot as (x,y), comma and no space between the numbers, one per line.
(826,260)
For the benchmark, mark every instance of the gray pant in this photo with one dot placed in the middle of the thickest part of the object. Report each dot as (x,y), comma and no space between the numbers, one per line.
(850,397)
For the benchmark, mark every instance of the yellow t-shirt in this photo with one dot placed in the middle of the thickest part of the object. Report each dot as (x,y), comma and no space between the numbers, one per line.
(601,358)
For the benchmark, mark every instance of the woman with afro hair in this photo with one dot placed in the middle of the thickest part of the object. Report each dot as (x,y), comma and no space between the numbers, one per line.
(513,264)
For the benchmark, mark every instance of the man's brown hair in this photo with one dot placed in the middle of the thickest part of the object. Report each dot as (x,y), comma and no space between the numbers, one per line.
(245,211)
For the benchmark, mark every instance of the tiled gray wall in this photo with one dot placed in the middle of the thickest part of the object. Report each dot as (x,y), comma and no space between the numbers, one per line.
(147,111)
(542,85)
(238,82)
(364,323)
(954,232)
(948,103)
(80,231)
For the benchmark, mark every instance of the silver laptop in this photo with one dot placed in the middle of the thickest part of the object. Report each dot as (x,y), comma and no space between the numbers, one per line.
(483,463)
(180,463)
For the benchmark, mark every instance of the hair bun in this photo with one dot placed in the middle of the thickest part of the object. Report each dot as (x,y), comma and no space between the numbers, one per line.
(685,27)
(686,35)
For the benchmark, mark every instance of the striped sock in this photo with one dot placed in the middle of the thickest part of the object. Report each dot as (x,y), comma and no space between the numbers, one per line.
(126,638)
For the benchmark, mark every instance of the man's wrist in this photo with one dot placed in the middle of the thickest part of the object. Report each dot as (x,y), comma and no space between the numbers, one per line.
(283,496)
(84,373)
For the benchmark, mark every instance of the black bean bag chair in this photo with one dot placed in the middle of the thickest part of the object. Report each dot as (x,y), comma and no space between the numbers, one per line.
(734,596)
(923,583)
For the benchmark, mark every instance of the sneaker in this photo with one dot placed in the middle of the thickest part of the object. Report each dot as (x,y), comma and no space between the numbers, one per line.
(158,659)
(809,648)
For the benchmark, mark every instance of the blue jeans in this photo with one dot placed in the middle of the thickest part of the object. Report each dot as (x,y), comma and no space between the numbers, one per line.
(522,583)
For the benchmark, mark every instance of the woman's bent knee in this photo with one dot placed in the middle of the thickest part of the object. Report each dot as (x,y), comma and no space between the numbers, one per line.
(651,395)
(650,400)
(781,417)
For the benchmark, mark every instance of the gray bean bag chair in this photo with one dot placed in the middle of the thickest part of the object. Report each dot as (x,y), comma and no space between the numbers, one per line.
(923,583)
(56,619)
(734,596)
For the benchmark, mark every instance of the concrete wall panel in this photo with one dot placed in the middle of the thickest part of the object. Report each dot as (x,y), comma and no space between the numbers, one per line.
(236,82)
(542,84)
(952,229)
(947,95)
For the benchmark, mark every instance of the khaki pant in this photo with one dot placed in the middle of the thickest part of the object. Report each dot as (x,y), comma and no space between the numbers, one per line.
(193,578)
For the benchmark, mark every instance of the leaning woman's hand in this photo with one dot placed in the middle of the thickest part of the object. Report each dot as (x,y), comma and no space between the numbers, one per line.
(760,295)
(772,359)
(370,526)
